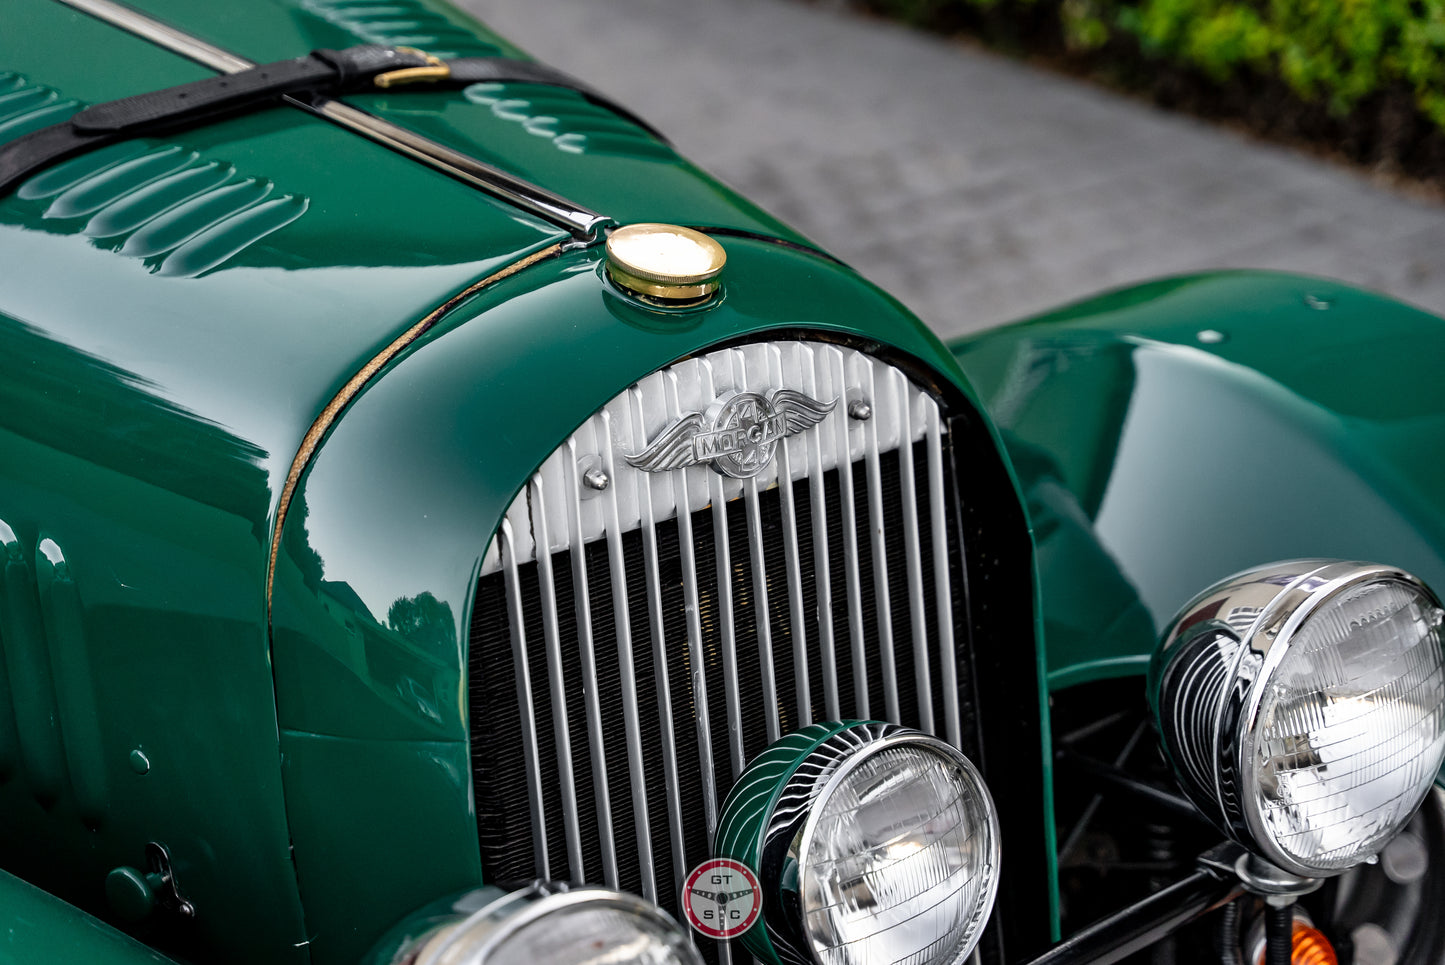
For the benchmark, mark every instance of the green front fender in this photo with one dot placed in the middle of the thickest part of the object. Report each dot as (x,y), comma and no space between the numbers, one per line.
(38,927)
(1171,434)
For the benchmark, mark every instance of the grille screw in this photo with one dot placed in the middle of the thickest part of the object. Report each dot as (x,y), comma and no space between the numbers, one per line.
(860,410)
(595,479)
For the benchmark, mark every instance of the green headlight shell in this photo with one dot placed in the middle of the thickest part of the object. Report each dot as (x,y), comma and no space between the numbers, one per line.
(759,822)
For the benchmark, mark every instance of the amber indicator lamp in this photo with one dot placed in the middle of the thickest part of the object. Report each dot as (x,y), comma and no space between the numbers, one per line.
(1308,946)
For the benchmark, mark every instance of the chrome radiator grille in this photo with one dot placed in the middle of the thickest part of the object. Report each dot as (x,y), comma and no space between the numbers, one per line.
(633,646)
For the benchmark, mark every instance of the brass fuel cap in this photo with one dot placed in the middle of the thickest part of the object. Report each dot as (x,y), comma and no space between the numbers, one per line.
(665,262)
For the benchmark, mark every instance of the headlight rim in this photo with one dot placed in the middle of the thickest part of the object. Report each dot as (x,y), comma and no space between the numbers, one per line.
(897,737)
(1312,585)
(1311,603)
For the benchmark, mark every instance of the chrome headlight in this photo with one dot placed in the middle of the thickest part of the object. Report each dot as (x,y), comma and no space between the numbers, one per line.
(1303,707)
(557,924)
(874,844)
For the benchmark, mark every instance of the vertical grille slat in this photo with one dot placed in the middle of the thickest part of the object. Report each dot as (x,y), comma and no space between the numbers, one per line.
(818,517)
(749,728)
(878,543)
(762,615)
(698,618)
(585,640)
(853,591)
(652,744)
(695,778)
(929,614)
(761,612)
(818,520)
(692,601)
(528,719)
(867,679)
(725,611)
(622,612)
(797,605)
(797,626)
(662,672)
(913,559)
(619,820)
(942,588)
(557,690)
(823,683)
(900,612)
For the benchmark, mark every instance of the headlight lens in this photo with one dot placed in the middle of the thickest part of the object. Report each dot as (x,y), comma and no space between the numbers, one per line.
(555,924)
(900,860)
(1303,705)
(874,844)
(1350,729)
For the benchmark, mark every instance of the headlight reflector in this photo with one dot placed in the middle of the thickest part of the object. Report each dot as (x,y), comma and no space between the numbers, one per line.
(874,843)
(1304,706)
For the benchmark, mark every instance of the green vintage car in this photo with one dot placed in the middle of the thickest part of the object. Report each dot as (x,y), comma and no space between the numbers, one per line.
(440,524)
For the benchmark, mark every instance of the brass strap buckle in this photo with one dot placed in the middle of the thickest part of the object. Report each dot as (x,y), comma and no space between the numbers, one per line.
(435,70)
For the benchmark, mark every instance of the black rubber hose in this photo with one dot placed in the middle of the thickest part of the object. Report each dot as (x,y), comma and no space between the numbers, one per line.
(1278,934)
(1226,935)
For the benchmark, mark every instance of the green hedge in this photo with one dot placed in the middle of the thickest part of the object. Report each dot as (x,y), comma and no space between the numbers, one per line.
(1338,52)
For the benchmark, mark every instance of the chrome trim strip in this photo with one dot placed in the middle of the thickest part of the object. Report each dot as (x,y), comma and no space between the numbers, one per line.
(762,615)
(659,663)
(524,696)
(622,620)
(877,541)
(850,556)
(586,645)
(726,618)
(937,503)
(162,35)
(913,554)
(696,658)
(799,629)
(581,222)
(561,731)
(822,564)
(552,208)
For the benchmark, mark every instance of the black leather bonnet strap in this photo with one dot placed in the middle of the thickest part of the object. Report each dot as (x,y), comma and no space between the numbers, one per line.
(323,72)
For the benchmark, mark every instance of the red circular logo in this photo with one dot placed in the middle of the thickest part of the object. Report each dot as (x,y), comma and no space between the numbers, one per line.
(722,898)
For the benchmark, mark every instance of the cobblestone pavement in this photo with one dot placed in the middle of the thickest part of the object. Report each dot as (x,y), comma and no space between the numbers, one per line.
(974,188)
